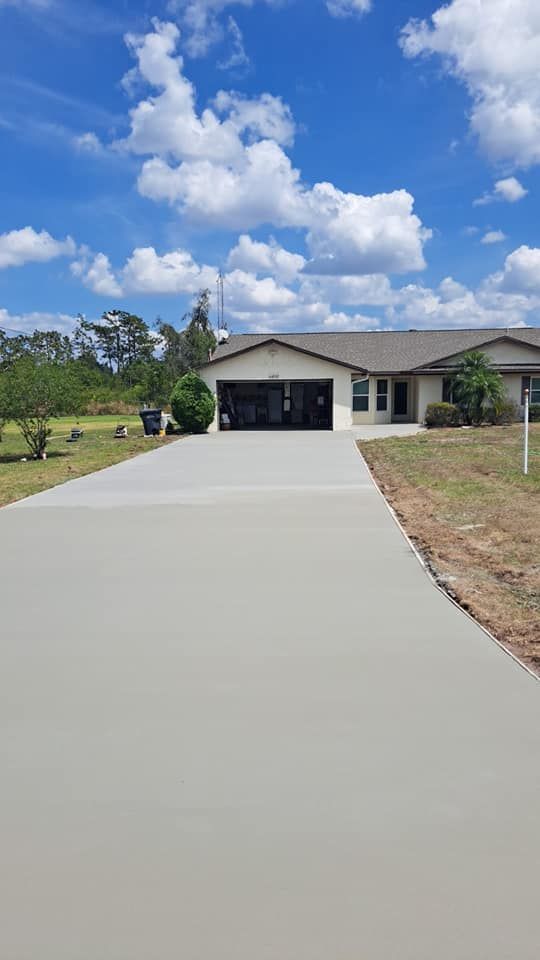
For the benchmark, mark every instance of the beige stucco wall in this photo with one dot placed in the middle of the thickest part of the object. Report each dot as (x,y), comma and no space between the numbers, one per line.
(277,362)
(512,383)
(428,390)
(504,353)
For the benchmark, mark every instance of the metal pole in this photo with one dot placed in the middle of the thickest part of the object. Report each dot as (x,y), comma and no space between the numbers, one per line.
(526,437)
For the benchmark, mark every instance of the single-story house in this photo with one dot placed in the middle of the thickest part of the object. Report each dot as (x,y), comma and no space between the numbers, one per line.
(332,381)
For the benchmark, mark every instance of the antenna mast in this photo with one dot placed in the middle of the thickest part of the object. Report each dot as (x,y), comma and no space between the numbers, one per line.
(220,303)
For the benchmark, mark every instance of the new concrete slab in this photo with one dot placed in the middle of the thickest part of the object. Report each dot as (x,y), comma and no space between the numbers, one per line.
(237,722)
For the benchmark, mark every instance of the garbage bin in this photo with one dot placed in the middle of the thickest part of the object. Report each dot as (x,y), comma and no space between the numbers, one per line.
(151,421)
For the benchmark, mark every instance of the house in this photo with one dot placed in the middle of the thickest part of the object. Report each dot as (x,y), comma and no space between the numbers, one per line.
(333,381)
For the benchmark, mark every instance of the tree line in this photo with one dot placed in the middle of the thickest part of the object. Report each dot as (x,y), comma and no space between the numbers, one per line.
(104,366)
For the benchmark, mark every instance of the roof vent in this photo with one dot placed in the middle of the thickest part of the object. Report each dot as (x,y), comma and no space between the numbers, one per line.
(222,336)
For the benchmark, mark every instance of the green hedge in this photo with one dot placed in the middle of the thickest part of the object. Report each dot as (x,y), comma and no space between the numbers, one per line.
(193,405)
(442,415)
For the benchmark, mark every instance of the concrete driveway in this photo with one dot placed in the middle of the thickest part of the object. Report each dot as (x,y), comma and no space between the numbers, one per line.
(237,722)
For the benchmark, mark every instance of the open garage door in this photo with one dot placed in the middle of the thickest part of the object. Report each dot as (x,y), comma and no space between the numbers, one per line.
(275,404)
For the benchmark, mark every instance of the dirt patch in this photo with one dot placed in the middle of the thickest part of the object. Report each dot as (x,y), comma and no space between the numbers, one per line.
(475,518)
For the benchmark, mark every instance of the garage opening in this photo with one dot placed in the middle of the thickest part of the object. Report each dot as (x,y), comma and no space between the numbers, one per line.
(276,404)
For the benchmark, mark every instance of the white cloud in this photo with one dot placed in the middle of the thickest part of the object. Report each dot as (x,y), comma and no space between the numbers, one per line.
(28,246)
(351,234)
(267,258)
(346,321)
(238,57)
(348,8)
(262,187)
(227,168)
(200,19)
(508,189)
(88,143)
(265,117)
(520,274)
(493,236)
(419,307)
(494,49)
(176,272)
(96,273)
(370,290)
(28,322)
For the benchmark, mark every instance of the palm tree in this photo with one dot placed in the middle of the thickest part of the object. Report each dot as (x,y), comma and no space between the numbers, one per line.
(477,388)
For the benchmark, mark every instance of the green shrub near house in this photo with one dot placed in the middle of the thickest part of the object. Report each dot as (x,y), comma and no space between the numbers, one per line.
(534,412)
(193,405)
(442,415)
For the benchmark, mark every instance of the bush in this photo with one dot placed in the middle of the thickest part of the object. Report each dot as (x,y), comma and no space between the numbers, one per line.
(505,412)
(442,415)
(193,404)
(534,412)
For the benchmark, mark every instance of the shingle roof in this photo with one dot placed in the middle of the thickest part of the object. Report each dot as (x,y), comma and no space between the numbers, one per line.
(393,351)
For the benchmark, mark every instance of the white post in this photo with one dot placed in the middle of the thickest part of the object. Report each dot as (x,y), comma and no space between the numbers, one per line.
(526,437)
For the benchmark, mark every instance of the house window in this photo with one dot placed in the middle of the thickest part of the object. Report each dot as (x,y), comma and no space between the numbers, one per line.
(382,395)
(447,390)
(532,384)
(360,402)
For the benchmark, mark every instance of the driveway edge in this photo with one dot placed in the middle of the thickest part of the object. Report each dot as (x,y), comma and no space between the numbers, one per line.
(434,580)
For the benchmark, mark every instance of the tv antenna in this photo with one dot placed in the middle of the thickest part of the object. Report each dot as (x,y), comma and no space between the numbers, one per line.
(223,333)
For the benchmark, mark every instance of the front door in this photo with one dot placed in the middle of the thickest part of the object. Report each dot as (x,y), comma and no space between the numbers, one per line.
(401,399)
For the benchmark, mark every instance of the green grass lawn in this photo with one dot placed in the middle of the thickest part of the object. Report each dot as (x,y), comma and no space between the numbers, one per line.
(463,498)
(96,449)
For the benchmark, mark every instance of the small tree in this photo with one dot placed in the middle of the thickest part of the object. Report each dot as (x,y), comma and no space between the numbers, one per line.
(193,404)
(477,387)
(33,393)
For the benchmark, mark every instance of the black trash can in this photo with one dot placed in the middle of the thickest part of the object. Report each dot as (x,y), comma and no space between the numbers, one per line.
(151,421)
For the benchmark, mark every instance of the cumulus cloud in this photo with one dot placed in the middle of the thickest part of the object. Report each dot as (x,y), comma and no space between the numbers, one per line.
(352,234)
(28,322)
(96,273)
(347,321)
(520,274)
(28,246)
(266,258)
(265,291)
(452,306)
(493,236)
(176,272)
(227,167)
(508,189)
(348,8)
(494,49)
(372,290)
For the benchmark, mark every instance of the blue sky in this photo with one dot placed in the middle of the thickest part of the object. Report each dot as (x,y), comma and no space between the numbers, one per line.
(347,164)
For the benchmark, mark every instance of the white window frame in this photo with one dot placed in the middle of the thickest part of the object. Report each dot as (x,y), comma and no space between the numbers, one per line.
(356,396)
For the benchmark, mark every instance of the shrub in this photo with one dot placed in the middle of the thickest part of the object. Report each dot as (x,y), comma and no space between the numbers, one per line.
(534,412)
(506,412)
(193,404)
(442,415)
(477,387)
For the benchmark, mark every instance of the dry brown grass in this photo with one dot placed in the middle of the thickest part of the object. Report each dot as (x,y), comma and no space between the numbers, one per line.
(464,501)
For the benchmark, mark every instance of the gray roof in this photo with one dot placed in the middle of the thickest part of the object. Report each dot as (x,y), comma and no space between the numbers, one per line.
(393,351)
